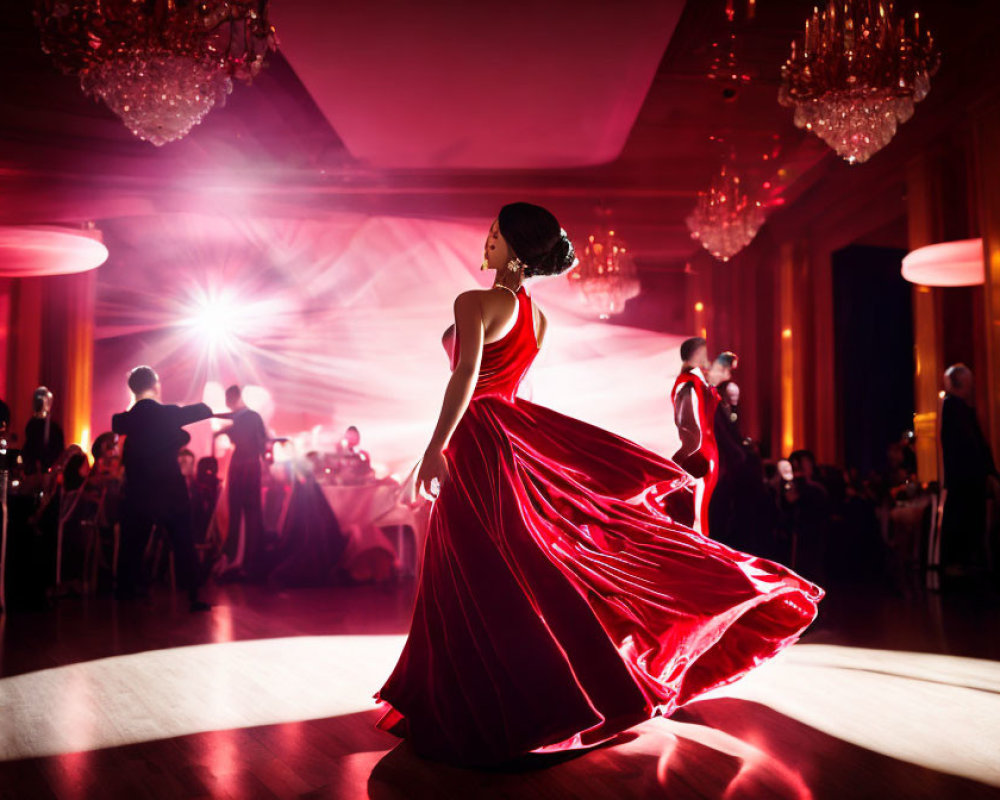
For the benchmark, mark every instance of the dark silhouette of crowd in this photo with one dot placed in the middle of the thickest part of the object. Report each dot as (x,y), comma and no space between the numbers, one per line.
(118,518)
(836,525)
(143,508)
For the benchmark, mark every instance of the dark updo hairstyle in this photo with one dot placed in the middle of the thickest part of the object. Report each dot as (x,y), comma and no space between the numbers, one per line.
(536,238)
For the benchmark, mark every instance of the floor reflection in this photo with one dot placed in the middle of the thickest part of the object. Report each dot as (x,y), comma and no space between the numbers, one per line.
(258,699)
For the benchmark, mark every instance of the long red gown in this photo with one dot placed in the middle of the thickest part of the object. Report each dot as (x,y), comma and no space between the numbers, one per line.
(558,603)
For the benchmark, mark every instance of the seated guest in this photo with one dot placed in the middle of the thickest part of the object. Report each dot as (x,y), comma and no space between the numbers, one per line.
(106,478)
(76,472)
(155,492)
(43,438)
(186,461)
(105,449)
(353,465)
(78,506)
(809,505)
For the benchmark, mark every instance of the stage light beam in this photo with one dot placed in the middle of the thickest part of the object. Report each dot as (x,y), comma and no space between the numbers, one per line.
(219,321)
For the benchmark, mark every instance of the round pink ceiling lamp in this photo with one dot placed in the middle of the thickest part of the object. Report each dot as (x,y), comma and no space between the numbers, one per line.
(946,264)
(38,251)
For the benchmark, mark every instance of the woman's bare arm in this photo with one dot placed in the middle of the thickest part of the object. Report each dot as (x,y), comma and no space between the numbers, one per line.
(470,331)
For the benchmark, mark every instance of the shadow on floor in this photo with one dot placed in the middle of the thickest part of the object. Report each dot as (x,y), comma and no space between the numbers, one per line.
(715,749)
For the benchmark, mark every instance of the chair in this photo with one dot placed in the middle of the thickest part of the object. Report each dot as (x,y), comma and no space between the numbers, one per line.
(906,527)
(156,546)
(933,567)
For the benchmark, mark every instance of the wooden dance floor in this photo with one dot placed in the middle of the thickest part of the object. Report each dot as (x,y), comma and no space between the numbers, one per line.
(269,696)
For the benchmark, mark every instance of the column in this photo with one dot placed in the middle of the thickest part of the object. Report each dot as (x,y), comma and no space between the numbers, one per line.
(924,226)
(791,347)
(986,144)
(700,298)
(69,351)
(24,350)
(823,435)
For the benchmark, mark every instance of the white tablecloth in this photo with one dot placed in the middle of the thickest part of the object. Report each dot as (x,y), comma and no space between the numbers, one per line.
(365,512)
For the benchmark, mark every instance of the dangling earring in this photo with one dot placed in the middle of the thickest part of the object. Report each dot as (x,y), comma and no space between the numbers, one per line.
(514,264)
(485,265)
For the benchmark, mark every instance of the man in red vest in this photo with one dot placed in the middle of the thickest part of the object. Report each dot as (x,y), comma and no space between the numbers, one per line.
(694,412)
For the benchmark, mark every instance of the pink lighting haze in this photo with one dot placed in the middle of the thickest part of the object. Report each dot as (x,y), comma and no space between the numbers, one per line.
(337,321)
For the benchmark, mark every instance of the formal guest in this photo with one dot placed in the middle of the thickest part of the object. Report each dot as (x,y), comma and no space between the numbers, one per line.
(694,403)
(104,450)
(755,508)
(729,522)
(107,478)
(968,470)
(728,437)
(204,495)
(155,492)
(78,503)
(243,483)
(909,452)
(311,546)
(315,465)
(781,483)
(186,461)
(898,466)
(720,371)
(43,438)
(352,464)
(808,506)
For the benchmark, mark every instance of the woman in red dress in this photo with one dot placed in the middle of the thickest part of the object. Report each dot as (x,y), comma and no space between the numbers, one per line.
(560,600)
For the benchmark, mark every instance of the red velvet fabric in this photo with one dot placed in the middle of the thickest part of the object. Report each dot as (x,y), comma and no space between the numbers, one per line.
(558,604)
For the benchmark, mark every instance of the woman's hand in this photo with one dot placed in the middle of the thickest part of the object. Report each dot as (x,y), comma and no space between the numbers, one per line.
(433,467)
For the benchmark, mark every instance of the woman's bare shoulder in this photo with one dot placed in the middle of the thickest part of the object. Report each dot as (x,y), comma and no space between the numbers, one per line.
(471,298)
(541,324)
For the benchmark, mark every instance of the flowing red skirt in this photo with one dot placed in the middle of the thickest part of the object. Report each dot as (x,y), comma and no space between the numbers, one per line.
(560,601)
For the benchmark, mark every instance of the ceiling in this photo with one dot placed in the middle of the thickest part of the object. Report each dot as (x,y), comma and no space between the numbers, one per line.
(442,110)
(458,85)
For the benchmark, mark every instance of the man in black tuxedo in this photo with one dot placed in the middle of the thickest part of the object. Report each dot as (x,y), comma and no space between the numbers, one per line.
(155,490)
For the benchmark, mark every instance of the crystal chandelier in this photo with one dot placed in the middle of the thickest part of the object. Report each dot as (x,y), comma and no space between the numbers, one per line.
(725,68)
(160,65)
(857,75)
(725,219)
(605,276)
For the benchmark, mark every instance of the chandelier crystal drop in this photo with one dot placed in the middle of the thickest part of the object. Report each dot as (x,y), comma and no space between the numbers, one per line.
(605,276)
(857,74)
(160,65)
(725,219)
